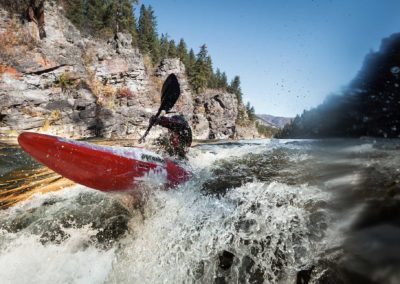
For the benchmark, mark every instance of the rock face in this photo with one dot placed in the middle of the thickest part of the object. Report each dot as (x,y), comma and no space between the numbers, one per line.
(77,87)
(215,115)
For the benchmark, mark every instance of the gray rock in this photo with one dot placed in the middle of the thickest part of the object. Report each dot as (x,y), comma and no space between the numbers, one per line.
(59,105)
(33,94)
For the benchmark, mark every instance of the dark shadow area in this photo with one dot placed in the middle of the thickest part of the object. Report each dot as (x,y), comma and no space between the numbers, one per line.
(368,107)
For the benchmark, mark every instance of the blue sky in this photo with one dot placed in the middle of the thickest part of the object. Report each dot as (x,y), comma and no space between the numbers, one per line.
(289,54)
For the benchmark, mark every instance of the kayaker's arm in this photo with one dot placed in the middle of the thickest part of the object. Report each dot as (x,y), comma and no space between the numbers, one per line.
(173,123)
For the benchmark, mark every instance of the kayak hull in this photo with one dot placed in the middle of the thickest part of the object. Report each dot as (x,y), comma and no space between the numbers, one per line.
(99,167)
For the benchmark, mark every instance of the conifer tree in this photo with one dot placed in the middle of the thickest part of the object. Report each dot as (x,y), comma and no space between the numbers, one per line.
(200,75)
(224,81)
(220,80)
(209,73)
(120,17)
(172,51)
(75,12)
(190,64)
(217,78)
(95,16)
(153,37)
(235,88)
(164,46)
(144,30)
(126,20)
(147,33)
(182,52)
(250,112)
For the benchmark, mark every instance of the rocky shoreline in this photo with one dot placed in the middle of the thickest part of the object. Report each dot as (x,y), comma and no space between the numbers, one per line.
(69,85)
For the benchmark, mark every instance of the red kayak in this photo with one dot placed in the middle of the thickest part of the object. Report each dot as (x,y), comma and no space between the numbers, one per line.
(104,168)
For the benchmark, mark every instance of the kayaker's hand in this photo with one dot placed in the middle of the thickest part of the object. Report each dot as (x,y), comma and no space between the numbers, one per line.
(153,120)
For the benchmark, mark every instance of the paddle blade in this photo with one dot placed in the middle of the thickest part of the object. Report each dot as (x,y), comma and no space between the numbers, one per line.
(170,93)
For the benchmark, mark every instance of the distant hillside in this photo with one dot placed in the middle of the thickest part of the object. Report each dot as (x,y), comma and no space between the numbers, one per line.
(274,121)
(368,107)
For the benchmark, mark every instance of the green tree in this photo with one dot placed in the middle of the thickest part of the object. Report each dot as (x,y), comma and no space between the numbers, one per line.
(101,17)
(200,75)
(125,18)
(75,12)
(224,81)
(251,113)
(210,73)
(190,64)
(172,51)
(235,88)
(147,33)
(164,46)
(96,10)
(182,52)
(153,37)
(144,30)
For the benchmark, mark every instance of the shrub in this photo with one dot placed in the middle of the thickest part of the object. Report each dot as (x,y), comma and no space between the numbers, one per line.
(14,7)
(66,82)
(148,63)
(15,40)
(108,90)
(266,131)
(124,93)
(55,115)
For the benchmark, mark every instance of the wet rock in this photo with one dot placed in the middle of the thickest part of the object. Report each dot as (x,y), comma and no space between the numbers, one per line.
(304,276)
(226,260)
(220,280)
(113,229)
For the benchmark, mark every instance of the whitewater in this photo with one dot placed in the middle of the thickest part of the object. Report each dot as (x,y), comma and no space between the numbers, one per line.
(257,211)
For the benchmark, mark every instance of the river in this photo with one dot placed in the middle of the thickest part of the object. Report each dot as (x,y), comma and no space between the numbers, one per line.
(260,211)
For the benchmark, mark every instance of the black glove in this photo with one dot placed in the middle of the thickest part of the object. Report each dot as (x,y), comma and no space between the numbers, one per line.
(154,120)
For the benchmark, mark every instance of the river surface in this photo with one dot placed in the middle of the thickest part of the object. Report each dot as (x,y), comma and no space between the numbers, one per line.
(262,211)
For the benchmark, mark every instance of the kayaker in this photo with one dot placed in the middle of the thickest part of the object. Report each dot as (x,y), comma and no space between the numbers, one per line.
(179,134)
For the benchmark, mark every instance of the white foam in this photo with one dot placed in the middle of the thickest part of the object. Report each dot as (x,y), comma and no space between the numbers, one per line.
(200,158)
(27,260)
(180,235)
(185,231)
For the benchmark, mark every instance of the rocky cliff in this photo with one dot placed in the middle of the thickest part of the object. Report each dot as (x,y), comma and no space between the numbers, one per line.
(74,86)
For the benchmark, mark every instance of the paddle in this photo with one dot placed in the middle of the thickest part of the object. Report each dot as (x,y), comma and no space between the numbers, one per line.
(169,95)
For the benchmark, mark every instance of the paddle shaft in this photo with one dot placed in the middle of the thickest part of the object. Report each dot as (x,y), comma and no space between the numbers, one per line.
(142,139)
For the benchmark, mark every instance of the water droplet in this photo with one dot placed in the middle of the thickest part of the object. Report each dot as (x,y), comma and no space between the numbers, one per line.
(395,69)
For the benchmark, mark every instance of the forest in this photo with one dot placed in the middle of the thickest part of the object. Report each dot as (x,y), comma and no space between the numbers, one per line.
(368,107)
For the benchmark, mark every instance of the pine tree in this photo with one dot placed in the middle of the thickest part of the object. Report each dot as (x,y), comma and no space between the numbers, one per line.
(251,114)
(75,12)
(190,64)
(234,88)
(164,46)
(209,73)
(96,11)
(119,17)
(153,37)
(224,81)
(172,51)
(125,19)
(101,17)
(182,52)
(220,80)
(147,34)
(144,29)
(200,75)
